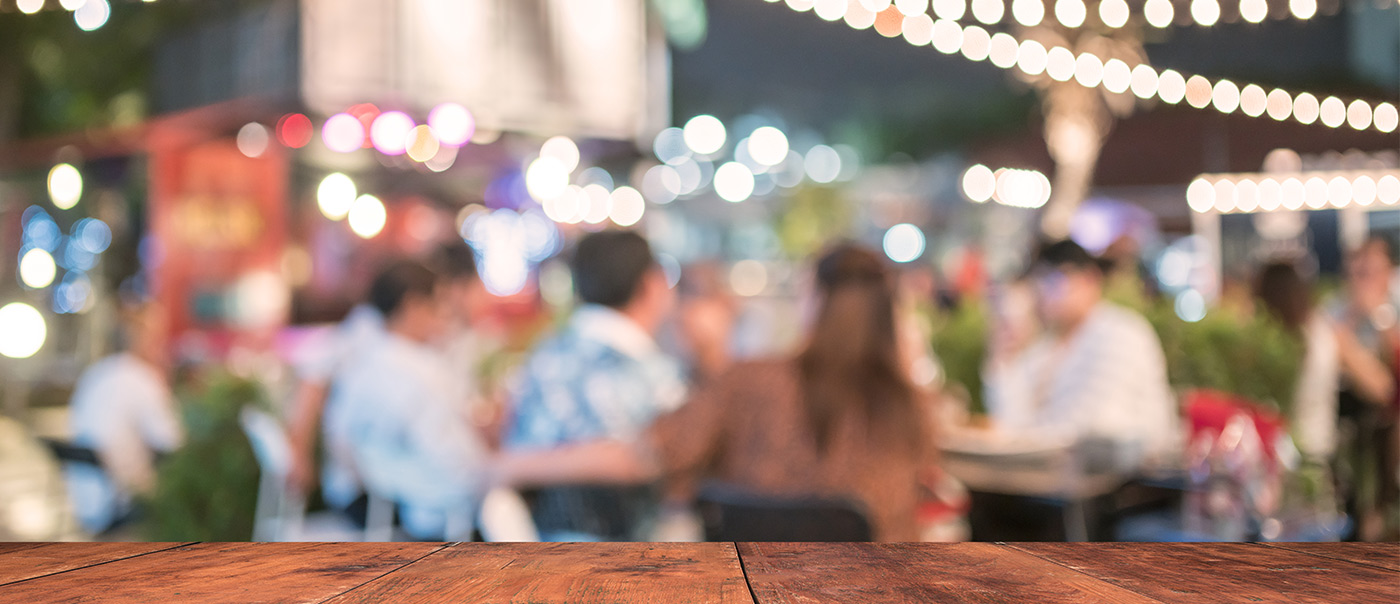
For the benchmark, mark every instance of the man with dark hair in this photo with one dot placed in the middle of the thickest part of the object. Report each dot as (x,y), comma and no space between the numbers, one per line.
(1097,371)
(602,376)
(394,420)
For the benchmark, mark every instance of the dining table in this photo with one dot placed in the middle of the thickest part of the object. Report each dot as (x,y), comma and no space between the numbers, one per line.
(730,573)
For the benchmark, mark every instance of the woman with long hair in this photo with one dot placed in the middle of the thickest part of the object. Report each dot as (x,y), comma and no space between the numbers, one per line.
(839,418)
(1289,300)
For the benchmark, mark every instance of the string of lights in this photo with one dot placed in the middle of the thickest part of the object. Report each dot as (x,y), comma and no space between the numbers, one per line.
(1072,14)
(1062,64)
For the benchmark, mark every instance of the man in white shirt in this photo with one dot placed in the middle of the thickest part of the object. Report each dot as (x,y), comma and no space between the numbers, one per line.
(395,411)
(122,410)
(1097,372)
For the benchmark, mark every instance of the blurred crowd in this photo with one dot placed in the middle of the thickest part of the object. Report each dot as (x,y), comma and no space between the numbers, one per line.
(635,406)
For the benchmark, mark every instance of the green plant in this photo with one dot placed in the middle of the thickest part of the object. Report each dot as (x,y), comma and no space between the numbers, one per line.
(960,341)
(1255,358)
(207,490)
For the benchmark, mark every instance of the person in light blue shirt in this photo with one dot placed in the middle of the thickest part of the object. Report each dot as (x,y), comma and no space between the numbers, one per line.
(601,376)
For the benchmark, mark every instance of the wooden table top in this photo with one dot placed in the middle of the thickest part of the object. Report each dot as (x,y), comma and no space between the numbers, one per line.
(342,573)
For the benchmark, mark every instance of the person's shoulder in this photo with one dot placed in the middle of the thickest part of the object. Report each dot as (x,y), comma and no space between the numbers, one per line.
(760,370)
(1123,318)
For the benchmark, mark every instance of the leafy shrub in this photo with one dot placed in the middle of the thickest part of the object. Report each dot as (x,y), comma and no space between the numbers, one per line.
(207,490)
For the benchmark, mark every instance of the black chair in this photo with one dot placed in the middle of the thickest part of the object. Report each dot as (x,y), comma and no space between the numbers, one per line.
(67,452)
(731,513)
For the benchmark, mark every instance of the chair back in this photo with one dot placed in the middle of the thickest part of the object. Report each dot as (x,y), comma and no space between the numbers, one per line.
(731,513)
(269,441)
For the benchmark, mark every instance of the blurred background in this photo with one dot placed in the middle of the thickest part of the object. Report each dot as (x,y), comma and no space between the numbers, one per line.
(194,194)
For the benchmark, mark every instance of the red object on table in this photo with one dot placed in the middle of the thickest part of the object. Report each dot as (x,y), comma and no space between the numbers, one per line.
(1210,410)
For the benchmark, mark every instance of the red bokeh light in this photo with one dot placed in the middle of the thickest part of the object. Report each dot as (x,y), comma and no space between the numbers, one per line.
(294,130)
(365,112)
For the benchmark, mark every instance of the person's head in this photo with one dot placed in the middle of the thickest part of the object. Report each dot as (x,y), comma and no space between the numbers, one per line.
(410,297)
(1282,290)
(617,269)
(146,331)
(1369,269)
(852,359)
(456,263)
(1068,284)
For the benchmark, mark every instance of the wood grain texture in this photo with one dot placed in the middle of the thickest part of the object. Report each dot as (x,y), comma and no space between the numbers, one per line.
(791,573)
(225,572)
(1382,555)
(24,561)
(577,573)
(1224,572)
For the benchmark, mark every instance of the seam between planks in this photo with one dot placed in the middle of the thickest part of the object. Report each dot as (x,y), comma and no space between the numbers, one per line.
(390,572)
(69,570)
(1077,571)
(1285,547)
(744,568)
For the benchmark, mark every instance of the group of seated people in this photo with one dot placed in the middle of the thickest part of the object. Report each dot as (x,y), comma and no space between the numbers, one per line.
(606,430)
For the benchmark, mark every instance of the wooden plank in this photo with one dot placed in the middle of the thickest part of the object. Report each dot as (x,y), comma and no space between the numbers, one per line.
(1381,555)
(40,559)
(226,572)
(1223,572)
(14,546)
(578,573)
(792,573)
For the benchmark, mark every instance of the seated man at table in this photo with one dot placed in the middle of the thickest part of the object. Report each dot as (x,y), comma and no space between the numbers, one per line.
(1097,372)
(602,377)
(397,411)
(122,410)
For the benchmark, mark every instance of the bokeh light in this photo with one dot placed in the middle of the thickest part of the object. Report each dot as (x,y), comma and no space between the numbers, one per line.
(669,145)
(453,124)
(343,133)
(661,184)
(37,268)
(1280,104)
(1305,108)
(22,330)
(29,7)
(989,12)
(1225,96)
(734,182)
(947,36)
(1159,13)
(627,207)
(563,150)
(704,134)
(1303,9)
(1385,117)
(1003,50)
(1254,11)
(951,10)
(1205,12)
(1200,195)
(92,15)
(546,178)
(252,139)
(596,204)
(1359,115)
(1028,12)
(65,186)
(1190,306)
(389,132)
(1070,13)
(335,195)
(823,164)
(976,43)
(904,242)
(748,278)
(294,130)
(979,183)
(1114,13)
(1253,100)
(1332,111)
(1117,76)
(768,146)
(421,143)
(367,216)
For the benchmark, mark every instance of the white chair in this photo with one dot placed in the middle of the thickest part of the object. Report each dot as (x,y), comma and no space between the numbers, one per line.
(281,510)
(506,518)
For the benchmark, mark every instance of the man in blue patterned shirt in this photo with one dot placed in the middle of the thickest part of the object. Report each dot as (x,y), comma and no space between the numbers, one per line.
(602,376)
